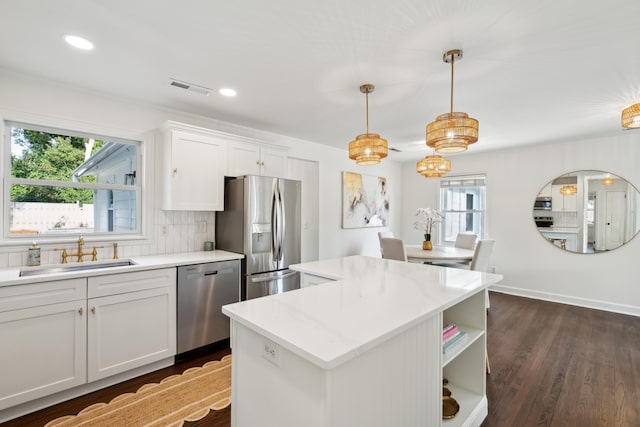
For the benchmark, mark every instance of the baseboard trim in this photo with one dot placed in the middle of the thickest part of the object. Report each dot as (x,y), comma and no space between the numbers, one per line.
(566,299)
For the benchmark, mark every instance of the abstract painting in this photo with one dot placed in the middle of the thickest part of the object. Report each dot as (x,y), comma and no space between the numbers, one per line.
(365,201)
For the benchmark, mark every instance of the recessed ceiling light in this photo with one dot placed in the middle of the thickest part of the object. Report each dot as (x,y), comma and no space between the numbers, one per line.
(227,92)
(79,42)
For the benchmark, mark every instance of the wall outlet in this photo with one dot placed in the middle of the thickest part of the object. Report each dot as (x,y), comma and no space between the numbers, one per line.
(271,352)
(163,230)
(492,269)
(201,227)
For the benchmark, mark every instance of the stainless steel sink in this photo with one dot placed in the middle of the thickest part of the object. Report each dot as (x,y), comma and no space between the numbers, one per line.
(65,268)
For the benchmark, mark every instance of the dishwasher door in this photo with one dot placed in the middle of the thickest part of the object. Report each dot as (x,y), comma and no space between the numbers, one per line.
(202,291)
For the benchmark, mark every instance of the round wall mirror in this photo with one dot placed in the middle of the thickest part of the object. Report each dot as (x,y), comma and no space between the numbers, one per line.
(588,211)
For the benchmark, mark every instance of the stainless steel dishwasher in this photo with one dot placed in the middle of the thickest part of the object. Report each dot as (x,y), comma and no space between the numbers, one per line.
(202,290)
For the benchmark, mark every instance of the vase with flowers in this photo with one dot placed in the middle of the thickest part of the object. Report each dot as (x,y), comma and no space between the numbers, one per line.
(427,217)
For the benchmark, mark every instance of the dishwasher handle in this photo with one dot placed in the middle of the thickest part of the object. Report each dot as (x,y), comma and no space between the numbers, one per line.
(198,274)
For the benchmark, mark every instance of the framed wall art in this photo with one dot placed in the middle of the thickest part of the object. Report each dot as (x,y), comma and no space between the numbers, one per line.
(365,201)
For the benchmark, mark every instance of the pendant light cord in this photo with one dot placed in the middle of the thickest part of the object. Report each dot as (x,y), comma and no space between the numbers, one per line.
(366,94)
(451,98)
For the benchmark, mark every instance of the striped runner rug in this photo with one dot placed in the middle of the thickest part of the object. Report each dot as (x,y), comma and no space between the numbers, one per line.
(178,398)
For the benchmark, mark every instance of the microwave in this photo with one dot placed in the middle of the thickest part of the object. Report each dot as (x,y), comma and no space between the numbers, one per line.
(542,204)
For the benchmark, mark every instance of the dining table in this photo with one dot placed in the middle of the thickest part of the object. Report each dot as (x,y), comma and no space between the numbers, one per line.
(438,254)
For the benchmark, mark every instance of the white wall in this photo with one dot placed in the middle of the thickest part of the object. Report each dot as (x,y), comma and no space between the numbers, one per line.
(530,265)
(43,102)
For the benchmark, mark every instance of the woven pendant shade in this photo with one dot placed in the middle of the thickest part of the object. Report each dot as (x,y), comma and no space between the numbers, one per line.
(368,148)
(568,190)
(452,132)
(607,180)
(631,117)
(433,166)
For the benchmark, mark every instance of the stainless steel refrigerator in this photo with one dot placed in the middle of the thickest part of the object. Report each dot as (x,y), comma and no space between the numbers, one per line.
(261,219)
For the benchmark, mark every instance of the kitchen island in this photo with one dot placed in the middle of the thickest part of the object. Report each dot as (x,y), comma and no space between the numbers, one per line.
(364,348)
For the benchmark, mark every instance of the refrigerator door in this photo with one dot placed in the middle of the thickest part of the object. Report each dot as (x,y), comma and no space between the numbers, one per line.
(290,195)
(272,220)
(260,239)
(260,285)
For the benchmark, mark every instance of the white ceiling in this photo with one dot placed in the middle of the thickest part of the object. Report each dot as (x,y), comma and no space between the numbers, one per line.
(533,70)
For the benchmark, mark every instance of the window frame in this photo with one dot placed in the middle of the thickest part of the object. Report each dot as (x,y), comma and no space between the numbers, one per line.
(466,180)
(143,187)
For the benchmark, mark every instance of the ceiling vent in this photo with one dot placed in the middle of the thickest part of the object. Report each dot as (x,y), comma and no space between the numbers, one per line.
(190,86)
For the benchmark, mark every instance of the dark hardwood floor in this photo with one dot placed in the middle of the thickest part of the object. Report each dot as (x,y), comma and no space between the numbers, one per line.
(551,365)
(560,365)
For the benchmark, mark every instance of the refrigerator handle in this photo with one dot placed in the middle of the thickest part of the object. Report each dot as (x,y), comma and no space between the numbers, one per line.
(275,225)
(281,225)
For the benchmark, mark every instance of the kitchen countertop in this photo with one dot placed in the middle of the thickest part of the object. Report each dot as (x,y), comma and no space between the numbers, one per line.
(11,276)
(372,300)
(558,229)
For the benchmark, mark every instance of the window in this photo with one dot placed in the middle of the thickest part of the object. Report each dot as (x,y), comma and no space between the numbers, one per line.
(63,182)
(462,201)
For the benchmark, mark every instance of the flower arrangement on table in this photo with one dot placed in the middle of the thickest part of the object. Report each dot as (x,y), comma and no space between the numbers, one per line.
(427,217)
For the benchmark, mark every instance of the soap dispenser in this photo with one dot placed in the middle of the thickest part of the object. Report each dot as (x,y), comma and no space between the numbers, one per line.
(33,255)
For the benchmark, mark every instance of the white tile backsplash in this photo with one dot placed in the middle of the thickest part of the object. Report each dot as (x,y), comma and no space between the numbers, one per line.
(173,232)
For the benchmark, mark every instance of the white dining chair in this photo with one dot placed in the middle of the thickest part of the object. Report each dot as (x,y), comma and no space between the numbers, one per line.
(382,235)
(393,248)
(482,255)
(465,240)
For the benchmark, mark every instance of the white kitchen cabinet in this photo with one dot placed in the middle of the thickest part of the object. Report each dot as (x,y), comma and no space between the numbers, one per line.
(193,166)
(131,321)
(255,159)
(42,339)
(546,191)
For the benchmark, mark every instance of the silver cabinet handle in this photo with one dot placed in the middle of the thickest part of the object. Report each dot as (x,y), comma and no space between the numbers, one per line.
(80,311)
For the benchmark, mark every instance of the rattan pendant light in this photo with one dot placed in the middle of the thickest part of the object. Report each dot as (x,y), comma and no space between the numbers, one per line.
(433,166)
(631,117)
(454,131)
(568,190)
(368,148)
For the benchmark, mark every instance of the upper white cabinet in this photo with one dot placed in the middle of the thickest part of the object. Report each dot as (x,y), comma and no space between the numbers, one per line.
(193,165)
(255,159)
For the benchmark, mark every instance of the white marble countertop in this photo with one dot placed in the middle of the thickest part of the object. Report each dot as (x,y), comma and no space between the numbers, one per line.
(11,276)
(373,300)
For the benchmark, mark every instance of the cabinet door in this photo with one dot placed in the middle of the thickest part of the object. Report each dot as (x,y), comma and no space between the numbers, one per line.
(130,330)
(273,163)
(243,159)
(42,351)
(197,170)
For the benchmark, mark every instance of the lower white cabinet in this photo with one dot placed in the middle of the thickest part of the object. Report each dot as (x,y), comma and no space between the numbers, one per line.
(52,338)
(134,326)
(42,346)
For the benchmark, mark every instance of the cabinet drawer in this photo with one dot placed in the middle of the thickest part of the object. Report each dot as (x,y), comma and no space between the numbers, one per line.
(43,293)
(114,284)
